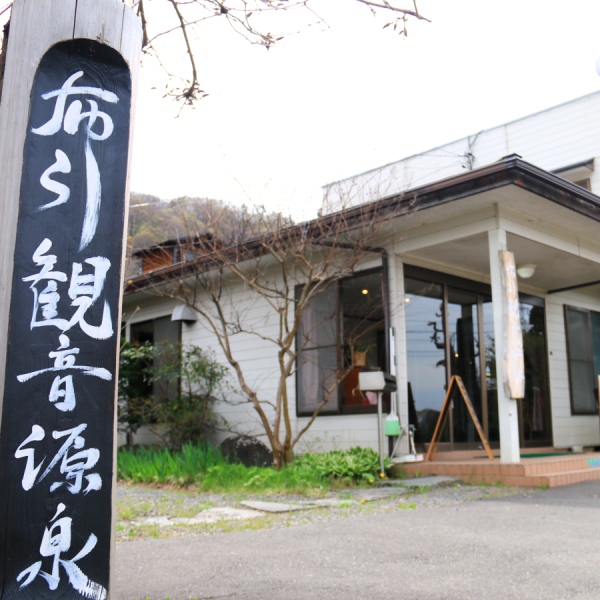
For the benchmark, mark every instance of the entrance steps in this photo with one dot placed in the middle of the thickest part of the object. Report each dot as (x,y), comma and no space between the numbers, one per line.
(538,471)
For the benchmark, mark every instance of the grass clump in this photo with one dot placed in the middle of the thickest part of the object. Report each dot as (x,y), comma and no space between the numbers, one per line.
(203,467)
(161,465)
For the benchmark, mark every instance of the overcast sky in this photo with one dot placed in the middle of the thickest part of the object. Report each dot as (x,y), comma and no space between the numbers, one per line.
(346,96)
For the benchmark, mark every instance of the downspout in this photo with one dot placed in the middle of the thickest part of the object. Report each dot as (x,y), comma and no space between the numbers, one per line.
(385,296)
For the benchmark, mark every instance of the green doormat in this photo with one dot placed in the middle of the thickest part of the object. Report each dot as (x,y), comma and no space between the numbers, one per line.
(541,454)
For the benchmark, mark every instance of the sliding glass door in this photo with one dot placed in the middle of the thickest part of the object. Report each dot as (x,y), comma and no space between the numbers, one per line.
(449,331)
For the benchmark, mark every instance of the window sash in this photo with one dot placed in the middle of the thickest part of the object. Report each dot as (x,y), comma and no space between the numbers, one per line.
(581,348)
(321,348)
(318,361)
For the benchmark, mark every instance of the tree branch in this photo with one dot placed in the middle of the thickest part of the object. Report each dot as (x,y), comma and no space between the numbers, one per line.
(191,92)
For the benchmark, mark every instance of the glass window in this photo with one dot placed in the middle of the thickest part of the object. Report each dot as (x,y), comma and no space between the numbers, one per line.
(363,337)
(318,361)
(535,415)
(342,332)
(426,342)
(463,329)
(154,332)
(583,348)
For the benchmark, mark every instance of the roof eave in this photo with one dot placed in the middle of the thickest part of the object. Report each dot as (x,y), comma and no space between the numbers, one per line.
(511,170)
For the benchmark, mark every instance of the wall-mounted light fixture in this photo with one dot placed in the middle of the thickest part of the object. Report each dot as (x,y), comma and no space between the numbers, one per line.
(526,271)
(184,313)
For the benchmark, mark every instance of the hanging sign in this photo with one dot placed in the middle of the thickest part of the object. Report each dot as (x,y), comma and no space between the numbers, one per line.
(57,434)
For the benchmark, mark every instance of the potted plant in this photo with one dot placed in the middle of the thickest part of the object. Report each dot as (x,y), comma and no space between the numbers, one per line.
(359,354)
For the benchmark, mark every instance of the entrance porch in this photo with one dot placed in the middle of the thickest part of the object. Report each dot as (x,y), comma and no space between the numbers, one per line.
(449,310)
(540,467)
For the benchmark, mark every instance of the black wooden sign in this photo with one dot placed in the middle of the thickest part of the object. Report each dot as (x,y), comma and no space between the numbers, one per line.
(56,440)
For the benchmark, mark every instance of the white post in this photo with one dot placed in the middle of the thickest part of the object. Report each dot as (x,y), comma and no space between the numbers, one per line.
(507,407)
(398,322)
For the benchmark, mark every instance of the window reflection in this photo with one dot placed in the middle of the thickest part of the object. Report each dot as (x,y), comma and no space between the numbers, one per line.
(425,342)
(450,331)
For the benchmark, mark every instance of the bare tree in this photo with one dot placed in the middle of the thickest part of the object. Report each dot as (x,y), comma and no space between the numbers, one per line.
(248,18)
(267,264)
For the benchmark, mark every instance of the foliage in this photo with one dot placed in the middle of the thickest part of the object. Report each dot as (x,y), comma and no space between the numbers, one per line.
(170,388)
(134,387)
(161,465)
(188,381)
(356,464)
(203,466)
(152,221)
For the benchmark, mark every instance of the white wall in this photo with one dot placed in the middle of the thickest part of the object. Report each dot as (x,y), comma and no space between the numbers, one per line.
(254,355)
(258,361)
(568,430)
(552,139)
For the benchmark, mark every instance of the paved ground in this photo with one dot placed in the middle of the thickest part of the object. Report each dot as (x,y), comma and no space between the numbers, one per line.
(544,545)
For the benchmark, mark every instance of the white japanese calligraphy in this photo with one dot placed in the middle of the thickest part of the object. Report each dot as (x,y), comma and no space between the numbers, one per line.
(73,465)
(31,471)
(65,394)
(70,119)
(84,290)
(55,542)
(62,165)
(64,359)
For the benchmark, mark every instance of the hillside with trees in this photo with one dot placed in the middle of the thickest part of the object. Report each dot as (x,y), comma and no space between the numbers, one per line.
(152,221)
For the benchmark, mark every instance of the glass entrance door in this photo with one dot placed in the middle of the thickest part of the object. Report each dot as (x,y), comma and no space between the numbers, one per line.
(449,331)
(464,353)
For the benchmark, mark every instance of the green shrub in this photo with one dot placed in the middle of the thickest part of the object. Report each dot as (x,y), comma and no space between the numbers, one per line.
(170,388)
(135,388)
(357,464)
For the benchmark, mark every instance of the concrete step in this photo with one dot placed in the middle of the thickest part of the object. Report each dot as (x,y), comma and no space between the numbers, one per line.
(560,464)
(537,472)
(568,477)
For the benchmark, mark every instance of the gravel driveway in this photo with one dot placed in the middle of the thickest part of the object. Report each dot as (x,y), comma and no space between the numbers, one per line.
(432,544)
(158,512)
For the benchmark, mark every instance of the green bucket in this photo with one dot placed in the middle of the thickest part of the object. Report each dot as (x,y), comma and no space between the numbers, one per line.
(392,426)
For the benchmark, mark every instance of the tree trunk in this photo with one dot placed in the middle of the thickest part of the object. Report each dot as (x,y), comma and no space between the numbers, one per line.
(283,457)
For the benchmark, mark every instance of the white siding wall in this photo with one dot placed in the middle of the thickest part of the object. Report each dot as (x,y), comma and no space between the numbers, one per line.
(258,360)
(568,430)
(256,357)
(555,138)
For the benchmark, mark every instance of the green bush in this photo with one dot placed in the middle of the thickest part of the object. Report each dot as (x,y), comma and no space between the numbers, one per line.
(171,388)
(135,388)
(357,464)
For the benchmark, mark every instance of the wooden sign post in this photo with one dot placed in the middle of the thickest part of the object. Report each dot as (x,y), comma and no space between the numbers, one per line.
(508,345)
(513,361)
(65,121)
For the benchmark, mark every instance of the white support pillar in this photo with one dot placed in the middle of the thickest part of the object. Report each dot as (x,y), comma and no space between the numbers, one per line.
(398,322)
(507,408)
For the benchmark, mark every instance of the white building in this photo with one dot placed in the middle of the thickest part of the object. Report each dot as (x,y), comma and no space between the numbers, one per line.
(526,187)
